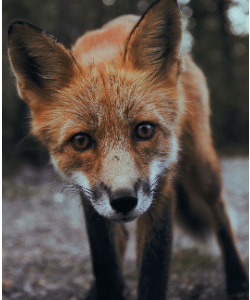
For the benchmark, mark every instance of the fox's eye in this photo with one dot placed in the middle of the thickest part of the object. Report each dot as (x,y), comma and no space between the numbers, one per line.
(144,131)
(81,141)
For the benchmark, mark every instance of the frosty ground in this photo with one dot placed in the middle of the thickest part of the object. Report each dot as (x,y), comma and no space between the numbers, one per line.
(46,253)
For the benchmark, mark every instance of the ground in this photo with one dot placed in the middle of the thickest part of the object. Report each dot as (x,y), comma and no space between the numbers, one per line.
(46,252)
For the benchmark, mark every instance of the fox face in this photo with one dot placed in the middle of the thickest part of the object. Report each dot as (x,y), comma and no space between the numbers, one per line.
(110,126)
(115,143)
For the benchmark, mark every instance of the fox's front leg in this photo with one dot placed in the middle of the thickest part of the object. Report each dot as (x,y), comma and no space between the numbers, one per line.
(154,243)
(109,282)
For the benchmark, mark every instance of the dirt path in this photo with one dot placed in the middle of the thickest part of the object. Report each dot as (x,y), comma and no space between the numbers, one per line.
(46,253)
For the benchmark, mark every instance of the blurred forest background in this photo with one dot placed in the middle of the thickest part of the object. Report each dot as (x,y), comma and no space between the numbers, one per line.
(214,34)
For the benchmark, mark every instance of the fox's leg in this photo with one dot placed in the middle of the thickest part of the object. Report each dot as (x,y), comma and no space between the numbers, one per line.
(236,277)
(201,175)
(109,282)
(154,245)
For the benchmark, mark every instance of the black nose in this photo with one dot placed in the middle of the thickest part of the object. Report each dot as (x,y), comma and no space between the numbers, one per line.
(123,204)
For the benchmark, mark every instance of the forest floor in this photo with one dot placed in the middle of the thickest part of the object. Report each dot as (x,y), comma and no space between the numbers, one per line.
(46,253)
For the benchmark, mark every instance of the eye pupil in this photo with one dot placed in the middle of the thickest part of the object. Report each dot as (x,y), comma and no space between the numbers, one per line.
(80,139)
(145,131)
(81,142)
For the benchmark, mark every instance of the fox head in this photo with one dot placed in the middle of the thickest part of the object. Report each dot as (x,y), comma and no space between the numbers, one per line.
(110,127)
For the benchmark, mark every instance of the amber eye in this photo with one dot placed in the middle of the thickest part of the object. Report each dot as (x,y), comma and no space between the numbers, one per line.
(81,141)
(144,131)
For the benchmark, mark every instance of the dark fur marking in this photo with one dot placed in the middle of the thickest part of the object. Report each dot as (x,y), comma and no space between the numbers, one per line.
(97,191)
(30,67)
(22,22)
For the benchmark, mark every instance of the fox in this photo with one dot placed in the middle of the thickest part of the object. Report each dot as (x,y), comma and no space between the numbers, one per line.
(125,115)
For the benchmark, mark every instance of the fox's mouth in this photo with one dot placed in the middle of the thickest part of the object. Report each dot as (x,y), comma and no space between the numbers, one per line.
(124,219)
(119,217)
(121,199)
(123,205)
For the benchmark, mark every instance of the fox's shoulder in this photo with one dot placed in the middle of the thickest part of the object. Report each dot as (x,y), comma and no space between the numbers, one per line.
(195,99)
(194,83)
(104,43)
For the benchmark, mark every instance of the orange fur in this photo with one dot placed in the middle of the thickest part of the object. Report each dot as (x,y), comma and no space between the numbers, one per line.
(98,45)
(129,96)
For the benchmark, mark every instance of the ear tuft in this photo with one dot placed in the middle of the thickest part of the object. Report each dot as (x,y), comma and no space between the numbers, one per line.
(22,22)
(154,43)
(39,62)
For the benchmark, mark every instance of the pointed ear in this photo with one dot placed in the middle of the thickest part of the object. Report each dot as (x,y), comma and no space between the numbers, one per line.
(41,65)
(154,43)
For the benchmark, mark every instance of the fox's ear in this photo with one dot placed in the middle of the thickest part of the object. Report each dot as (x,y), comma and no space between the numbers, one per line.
(41,65)
(154,43)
